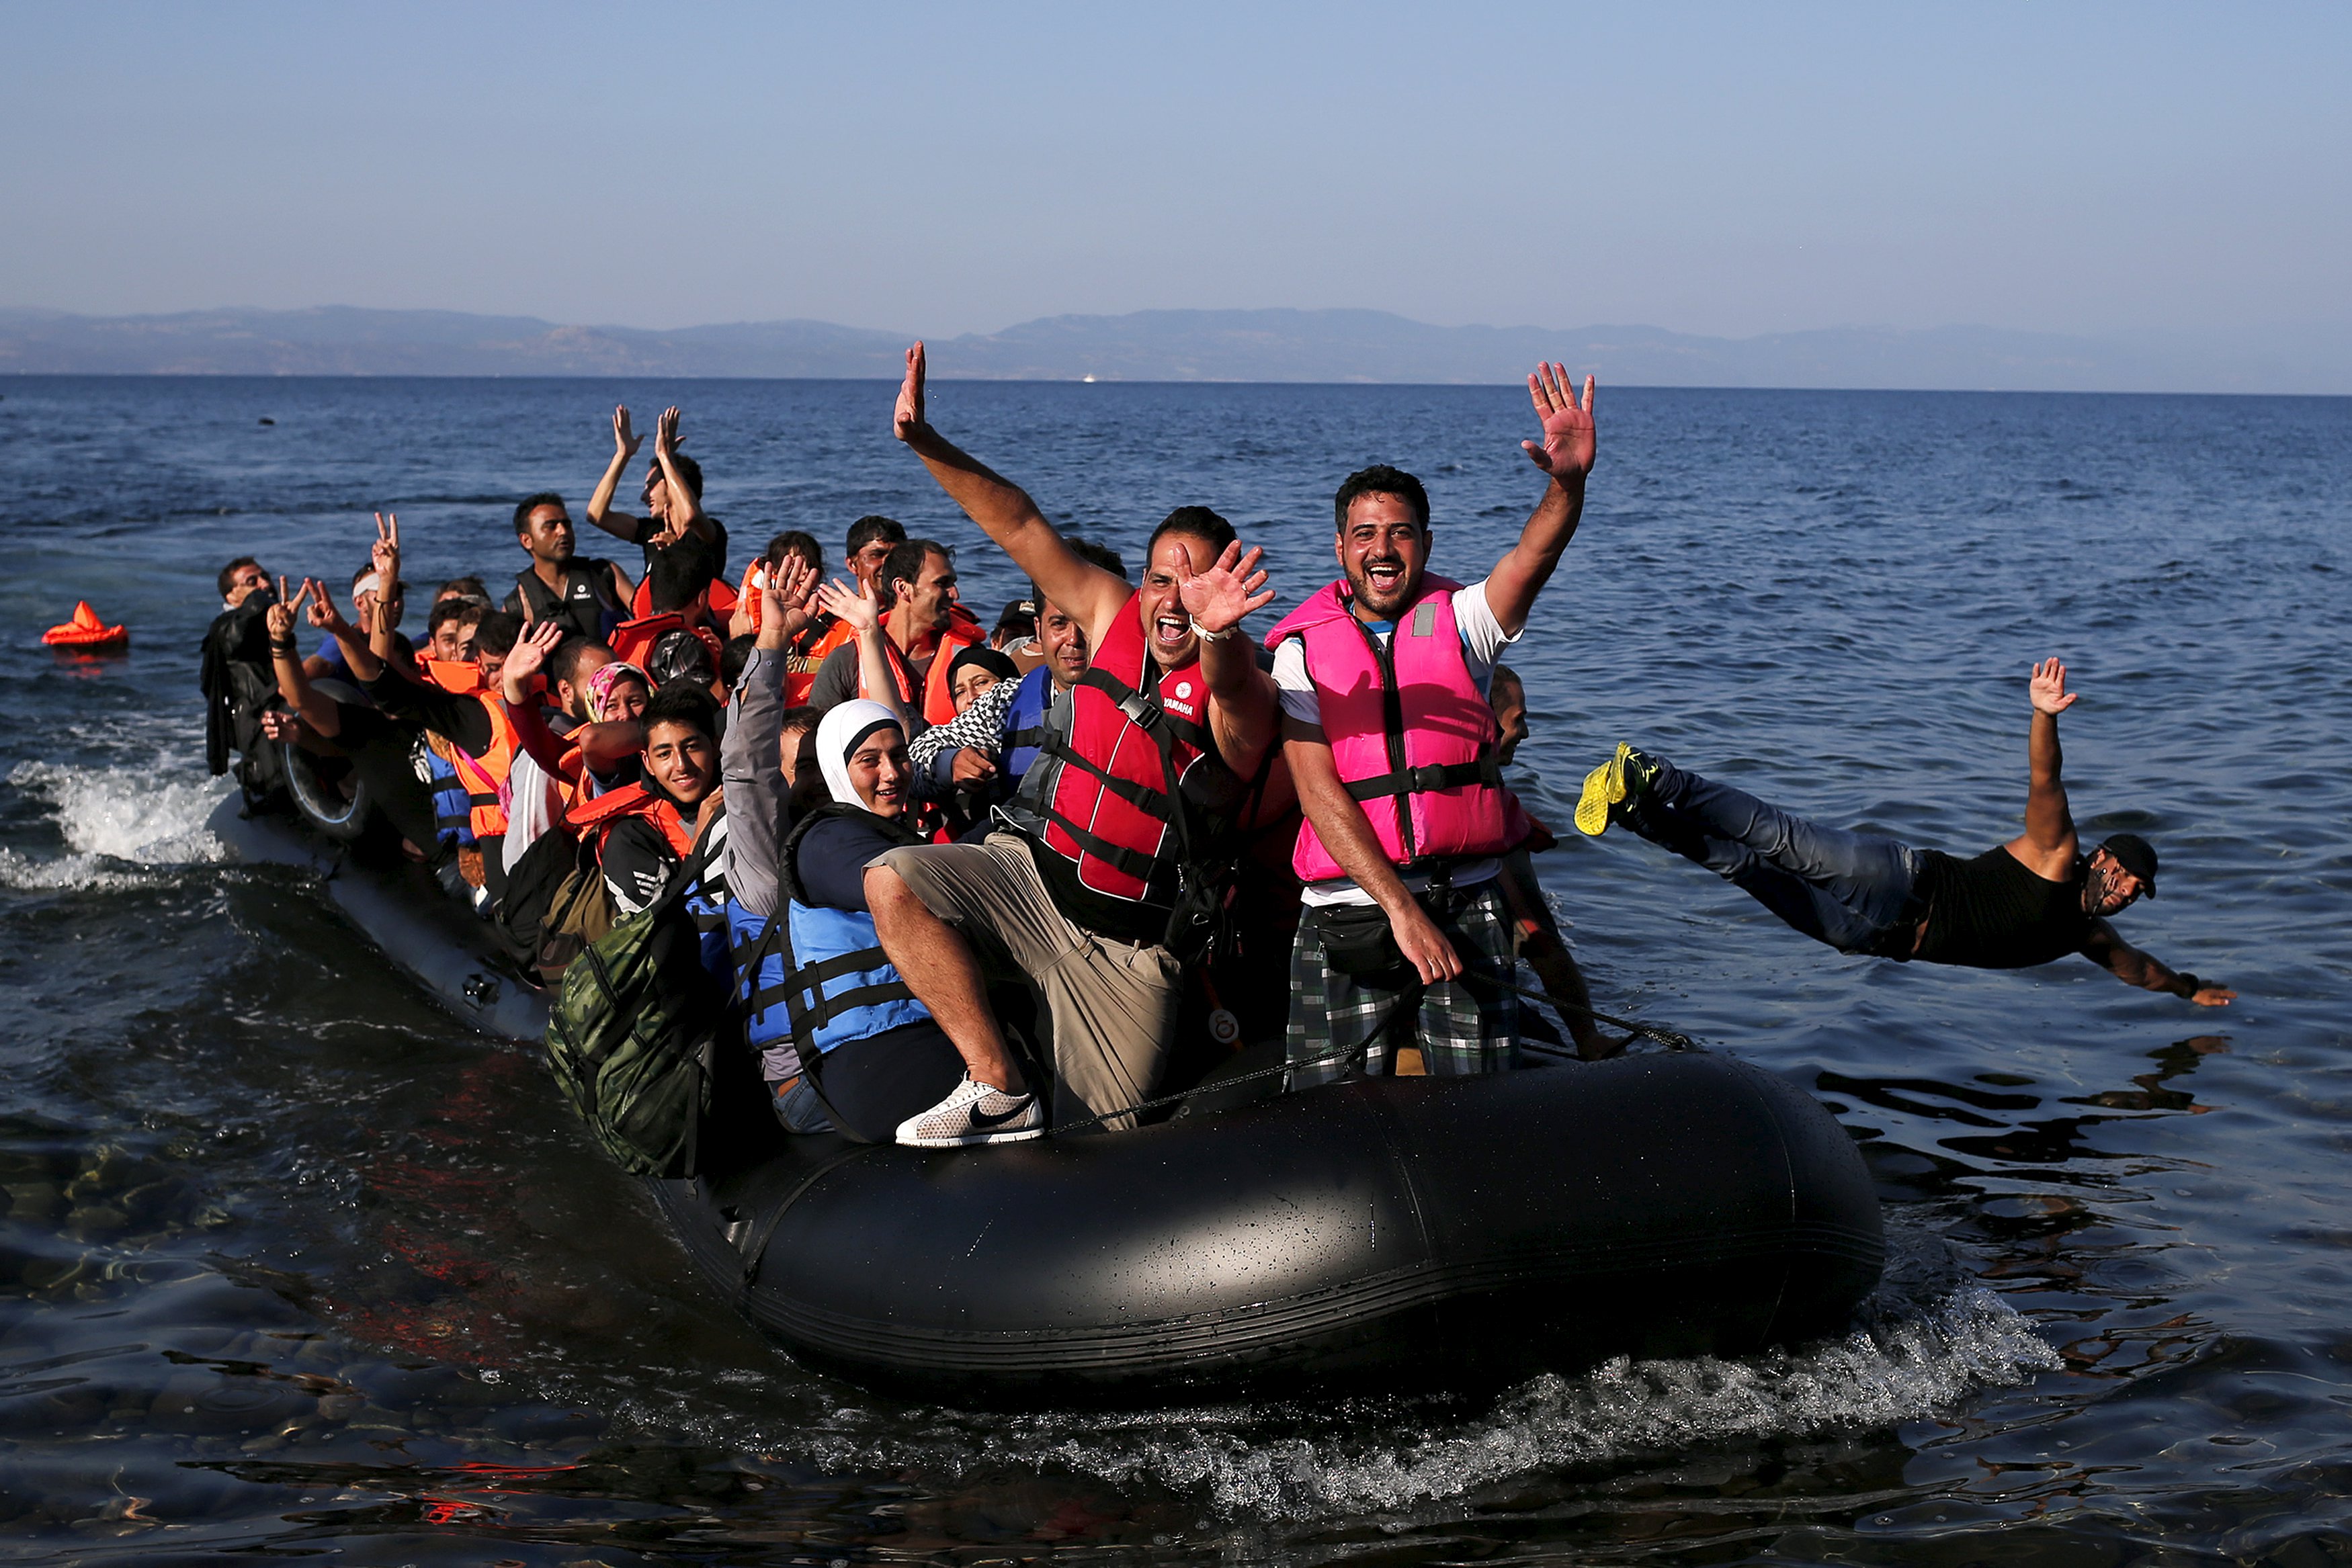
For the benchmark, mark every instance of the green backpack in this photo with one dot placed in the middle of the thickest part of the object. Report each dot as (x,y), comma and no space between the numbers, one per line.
(633,1035)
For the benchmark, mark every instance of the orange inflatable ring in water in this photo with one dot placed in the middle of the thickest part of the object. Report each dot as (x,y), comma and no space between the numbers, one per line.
(86,633)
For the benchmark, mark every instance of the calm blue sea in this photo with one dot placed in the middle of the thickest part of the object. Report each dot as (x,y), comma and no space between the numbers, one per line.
(291,1265)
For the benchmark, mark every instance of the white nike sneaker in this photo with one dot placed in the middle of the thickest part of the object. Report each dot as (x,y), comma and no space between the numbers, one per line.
(975,1114)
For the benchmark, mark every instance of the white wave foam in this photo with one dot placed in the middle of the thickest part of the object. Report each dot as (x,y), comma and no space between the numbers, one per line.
(130,816)
(1626,1409)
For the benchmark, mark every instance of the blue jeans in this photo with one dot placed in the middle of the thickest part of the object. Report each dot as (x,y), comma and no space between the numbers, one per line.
(799,1109)
(1849,890)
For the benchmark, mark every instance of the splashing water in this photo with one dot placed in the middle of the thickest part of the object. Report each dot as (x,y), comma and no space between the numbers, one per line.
(114,820)
(1623,1410)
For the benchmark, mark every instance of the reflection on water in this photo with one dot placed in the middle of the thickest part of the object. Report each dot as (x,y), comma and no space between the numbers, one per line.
(290,1264)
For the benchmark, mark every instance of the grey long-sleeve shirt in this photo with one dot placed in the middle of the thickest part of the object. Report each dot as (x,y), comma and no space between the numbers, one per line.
(755,770)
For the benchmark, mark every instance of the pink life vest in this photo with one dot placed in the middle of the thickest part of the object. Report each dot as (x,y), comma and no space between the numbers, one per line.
(1410,731)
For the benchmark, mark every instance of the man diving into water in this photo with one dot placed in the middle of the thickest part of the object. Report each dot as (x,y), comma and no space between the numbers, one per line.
(2035,900)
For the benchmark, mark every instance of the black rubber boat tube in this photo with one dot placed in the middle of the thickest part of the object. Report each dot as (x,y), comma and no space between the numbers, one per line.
(1380,1232)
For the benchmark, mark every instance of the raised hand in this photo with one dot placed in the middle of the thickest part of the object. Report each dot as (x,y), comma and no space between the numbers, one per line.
(529,654)
(626,441)
(280,617)
(666,438)
(1232,587)
(907,419)
(855,604)
(323,613)
(2049,688)
(385,555)
(785,602)
(1566,451)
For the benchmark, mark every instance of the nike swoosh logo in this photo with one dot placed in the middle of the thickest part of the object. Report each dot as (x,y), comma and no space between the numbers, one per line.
(981,1118)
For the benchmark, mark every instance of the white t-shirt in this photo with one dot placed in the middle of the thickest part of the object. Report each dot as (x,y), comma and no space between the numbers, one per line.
(1483,641)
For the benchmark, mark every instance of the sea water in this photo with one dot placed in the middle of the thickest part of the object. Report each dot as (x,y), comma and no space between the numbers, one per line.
(291,1263)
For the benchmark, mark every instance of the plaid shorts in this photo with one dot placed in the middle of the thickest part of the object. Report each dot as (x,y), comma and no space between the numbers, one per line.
(1462,1026)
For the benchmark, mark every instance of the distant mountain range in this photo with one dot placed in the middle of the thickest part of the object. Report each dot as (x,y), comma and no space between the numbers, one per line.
(1161,345)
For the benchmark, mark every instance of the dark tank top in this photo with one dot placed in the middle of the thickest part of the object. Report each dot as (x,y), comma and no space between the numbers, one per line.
(1991,912)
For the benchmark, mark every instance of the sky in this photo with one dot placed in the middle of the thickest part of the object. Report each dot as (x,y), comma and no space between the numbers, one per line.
(1728,169)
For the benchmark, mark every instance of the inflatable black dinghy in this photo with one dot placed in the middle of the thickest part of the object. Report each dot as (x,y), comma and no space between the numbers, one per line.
(400,907)
(1384,1233)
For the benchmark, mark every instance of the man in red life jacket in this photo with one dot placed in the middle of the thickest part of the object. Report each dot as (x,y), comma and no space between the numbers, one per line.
(922,636)
(1146,760)
(1406,942)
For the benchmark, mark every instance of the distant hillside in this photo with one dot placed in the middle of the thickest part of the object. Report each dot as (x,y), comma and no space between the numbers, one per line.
(1155,345)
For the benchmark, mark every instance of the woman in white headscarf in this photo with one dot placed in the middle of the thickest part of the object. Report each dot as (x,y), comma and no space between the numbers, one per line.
(844,1046)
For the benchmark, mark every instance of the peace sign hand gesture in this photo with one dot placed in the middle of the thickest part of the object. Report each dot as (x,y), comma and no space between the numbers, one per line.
(385,555)
(323,613)
(1566,451)
(1229,590)
(279,618)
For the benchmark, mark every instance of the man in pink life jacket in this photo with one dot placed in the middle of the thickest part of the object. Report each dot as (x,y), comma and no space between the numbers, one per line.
(1113,837)
(1405,950)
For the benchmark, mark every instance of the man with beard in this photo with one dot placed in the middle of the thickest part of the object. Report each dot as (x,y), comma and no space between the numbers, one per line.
(1110,847)
(921,637)
(588,595)
(983,753)
(1405,956)
(2036,899)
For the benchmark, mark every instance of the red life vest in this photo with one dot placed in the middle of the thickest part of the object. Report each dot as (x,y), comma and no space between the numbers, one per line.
(1097,796)
(937,703)
(596,819)
(715,597)
(1412,735)
(485,777)
(632,641)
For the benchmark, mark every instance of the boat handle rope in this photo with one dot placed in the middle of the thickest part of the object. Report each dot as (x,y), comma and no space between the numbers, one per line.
(1668,1038)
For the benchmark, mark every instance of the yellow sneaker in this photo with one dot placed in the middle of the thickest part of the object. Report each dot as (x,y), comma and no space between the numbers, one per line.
(1604,788)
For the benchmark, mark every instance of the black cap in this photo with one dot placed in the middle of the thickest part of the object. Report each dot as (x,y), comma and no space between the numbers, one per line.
(2136,855)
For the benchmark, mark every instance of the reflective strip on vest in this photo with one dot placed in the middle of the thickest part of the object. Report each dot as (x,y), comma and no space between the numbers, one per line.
(1412,737)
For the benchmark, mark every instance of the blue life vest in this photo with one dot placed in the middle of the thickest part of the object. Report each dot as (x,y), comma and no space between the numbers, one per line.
(453,808)
(815,976)
(1025,723)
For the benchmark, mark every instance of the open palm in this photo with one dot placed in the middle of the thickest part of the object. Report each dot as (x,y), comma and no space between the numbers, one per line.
(1218,598)
(1570,440)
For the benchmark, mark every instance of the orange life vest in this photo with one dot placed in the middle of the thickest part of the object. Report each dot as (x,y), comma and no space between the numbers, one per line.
(485,777)
(596,819)
(715,597)
(938,699)
(459,676)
